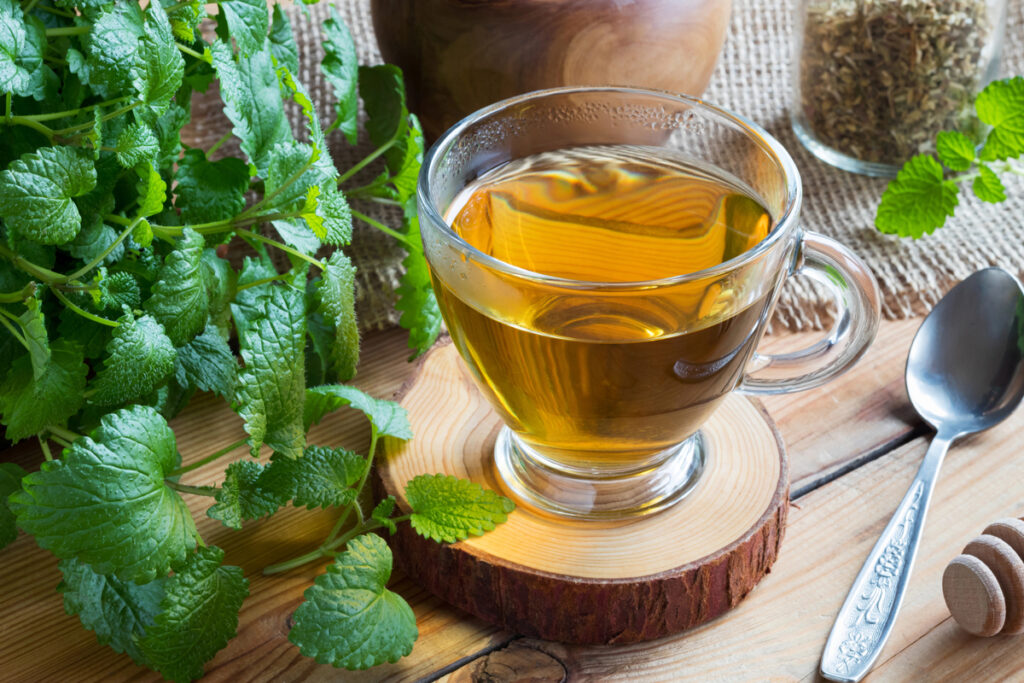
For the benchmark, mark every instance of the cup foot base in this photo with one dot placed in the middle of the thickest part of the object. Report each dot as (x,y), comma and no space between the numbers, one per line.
(550,492)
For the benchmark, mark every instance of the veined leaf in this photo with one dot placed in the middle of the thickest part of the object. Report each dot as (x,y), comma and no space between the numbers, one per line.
(247,21)
(29,404)
(140,357)
(341,67)
(210,191)
(36,192)
(337,298)
(179,300)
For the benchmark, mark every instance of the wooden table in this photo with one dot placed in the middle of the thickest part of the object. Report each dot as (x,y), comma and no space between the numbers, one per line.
(854,446)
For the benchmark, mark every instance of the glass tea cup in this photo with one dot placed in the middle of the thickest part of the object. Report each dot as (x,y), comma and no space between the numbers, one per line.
(603,380)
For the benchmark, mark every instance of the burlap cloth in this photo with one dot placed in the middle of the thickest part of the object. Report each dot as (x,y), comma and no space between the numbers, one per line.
(753,78)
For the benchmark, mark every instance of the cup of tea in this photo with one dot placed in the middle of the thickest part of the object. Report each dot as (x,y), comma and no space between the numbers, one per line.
(606,261)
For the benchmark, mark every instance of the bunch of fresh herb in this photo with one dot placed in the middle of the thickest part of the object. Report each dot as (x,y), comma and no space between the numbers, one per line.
(925,191)
(117,305)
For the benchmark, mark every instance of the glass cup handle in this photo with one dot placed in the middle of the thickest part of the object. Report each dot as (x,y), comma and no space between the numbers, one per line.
(856,295)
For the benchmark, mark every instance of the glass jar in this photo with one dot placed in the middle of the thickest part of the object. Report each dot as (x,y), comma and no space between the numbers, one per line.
(875,80)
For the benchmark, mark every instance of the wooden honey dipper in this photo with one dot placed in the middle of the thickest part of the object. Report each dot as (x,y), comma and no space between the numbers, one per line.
(984,586)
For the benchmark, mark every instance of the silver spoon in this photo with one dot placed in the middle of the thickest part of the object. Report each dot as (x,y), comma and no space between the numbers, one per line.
(964,374)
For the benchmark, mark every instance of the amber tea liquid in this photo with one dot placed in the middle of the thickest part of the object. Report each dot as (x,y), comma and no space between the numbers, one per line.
(605,378)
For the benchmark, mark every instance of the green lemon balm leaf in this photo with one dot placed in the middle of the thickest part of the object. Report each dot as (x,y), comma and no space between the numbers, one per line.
(10,481)
(29,404)
(918,201)
(988,187)
(113,47)
(246,494)
(389,418)
(179,299)
(322,477)
(271,385)
(210,191)
(252,102)
(383,93)
(349,618)
(159,67)
(248,22)
(1001,105)
(449,509)
(341,67)
(140,357)
(105,502)
(282,41)
(152,192)
(198,616)
(207,363)
(117,611)
(337,299)
(136,143)
(33,325)
(955,150)
(421,315)
(36,191)
(382,513)
(21,51)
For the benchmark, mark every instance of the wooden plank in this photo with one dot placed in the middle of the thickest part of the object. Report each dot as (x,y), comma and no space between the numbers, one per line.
(861,413)
(780,630)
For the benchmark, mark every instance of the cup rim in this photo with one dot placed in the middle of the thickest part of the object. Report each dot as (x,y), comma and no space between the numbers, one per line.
(761,137)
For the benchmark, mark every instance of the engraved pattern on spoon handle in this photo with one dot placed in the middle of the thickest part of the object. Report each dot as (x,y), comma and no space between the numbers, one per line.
(869,611)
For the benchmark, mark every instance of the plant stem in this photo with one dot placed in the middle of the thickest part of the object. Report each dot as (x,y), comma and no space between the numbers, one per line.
(89,124)
(283,247)
(322,551)
(63,442)
(367,159)
(208,459)
(18,336)
(30,6)
(30,123)
(63,433)
(261,281)
(359,488)
(81,311)
(22,294)
(45,448)
(67,31)
(189,51)
(195,490)
(72,112)
(380,226)
(216,145)
(106,252)
(22,263)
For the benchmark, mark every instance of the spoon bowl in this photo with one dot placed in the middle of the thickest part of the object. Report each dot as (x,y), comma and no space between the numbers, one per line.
(965,373)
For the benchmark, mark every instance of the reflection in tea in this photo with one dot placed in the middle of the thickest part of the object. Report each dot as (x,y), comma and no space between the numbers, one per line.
(606,378)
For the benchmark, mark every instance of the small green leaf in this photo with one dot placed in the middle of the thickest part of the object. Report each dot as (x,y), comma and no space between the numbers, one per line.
(337,299)
(10,481)
(29,404)
(152,192)
(33,325)
(247,21)
(159,67)
(416,300)
(349,618)
(270,389)
(955,150)
(22,42)
(36,192)
(137,143)
(210,191)
(105,502)
(448,509)
(140,357)
(382,513)
(341,67)
(185,18)
(282,41)
(252,102)
(389,418)
(247,493)
(383,93)
(988,187)
(179,299)
(118,612)
(207,363)
(918,201)
(118,290)
(93,240)
(322,477)
(198,616)
(113,47)
(1001,105)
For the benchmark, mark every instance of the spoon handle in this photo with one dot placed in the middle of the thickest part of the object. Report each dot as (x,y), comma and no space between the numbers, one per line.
(869,612)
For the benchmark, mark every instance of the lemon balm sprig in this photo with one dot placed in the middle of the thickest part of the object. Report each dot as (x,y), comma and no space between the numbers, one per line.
(925,192)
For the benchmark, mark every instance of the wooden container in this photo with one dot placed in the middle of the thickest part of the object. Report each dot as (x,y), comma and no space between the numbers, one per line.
(461,55)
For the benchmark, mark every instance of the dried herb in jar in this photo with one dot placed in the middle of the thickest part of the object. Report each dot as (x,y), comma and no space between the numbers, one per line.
(879,78)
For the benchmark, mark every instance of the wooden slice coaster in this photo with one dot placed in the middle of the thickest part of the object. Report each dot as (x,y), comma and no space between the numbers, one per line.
(586,582)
